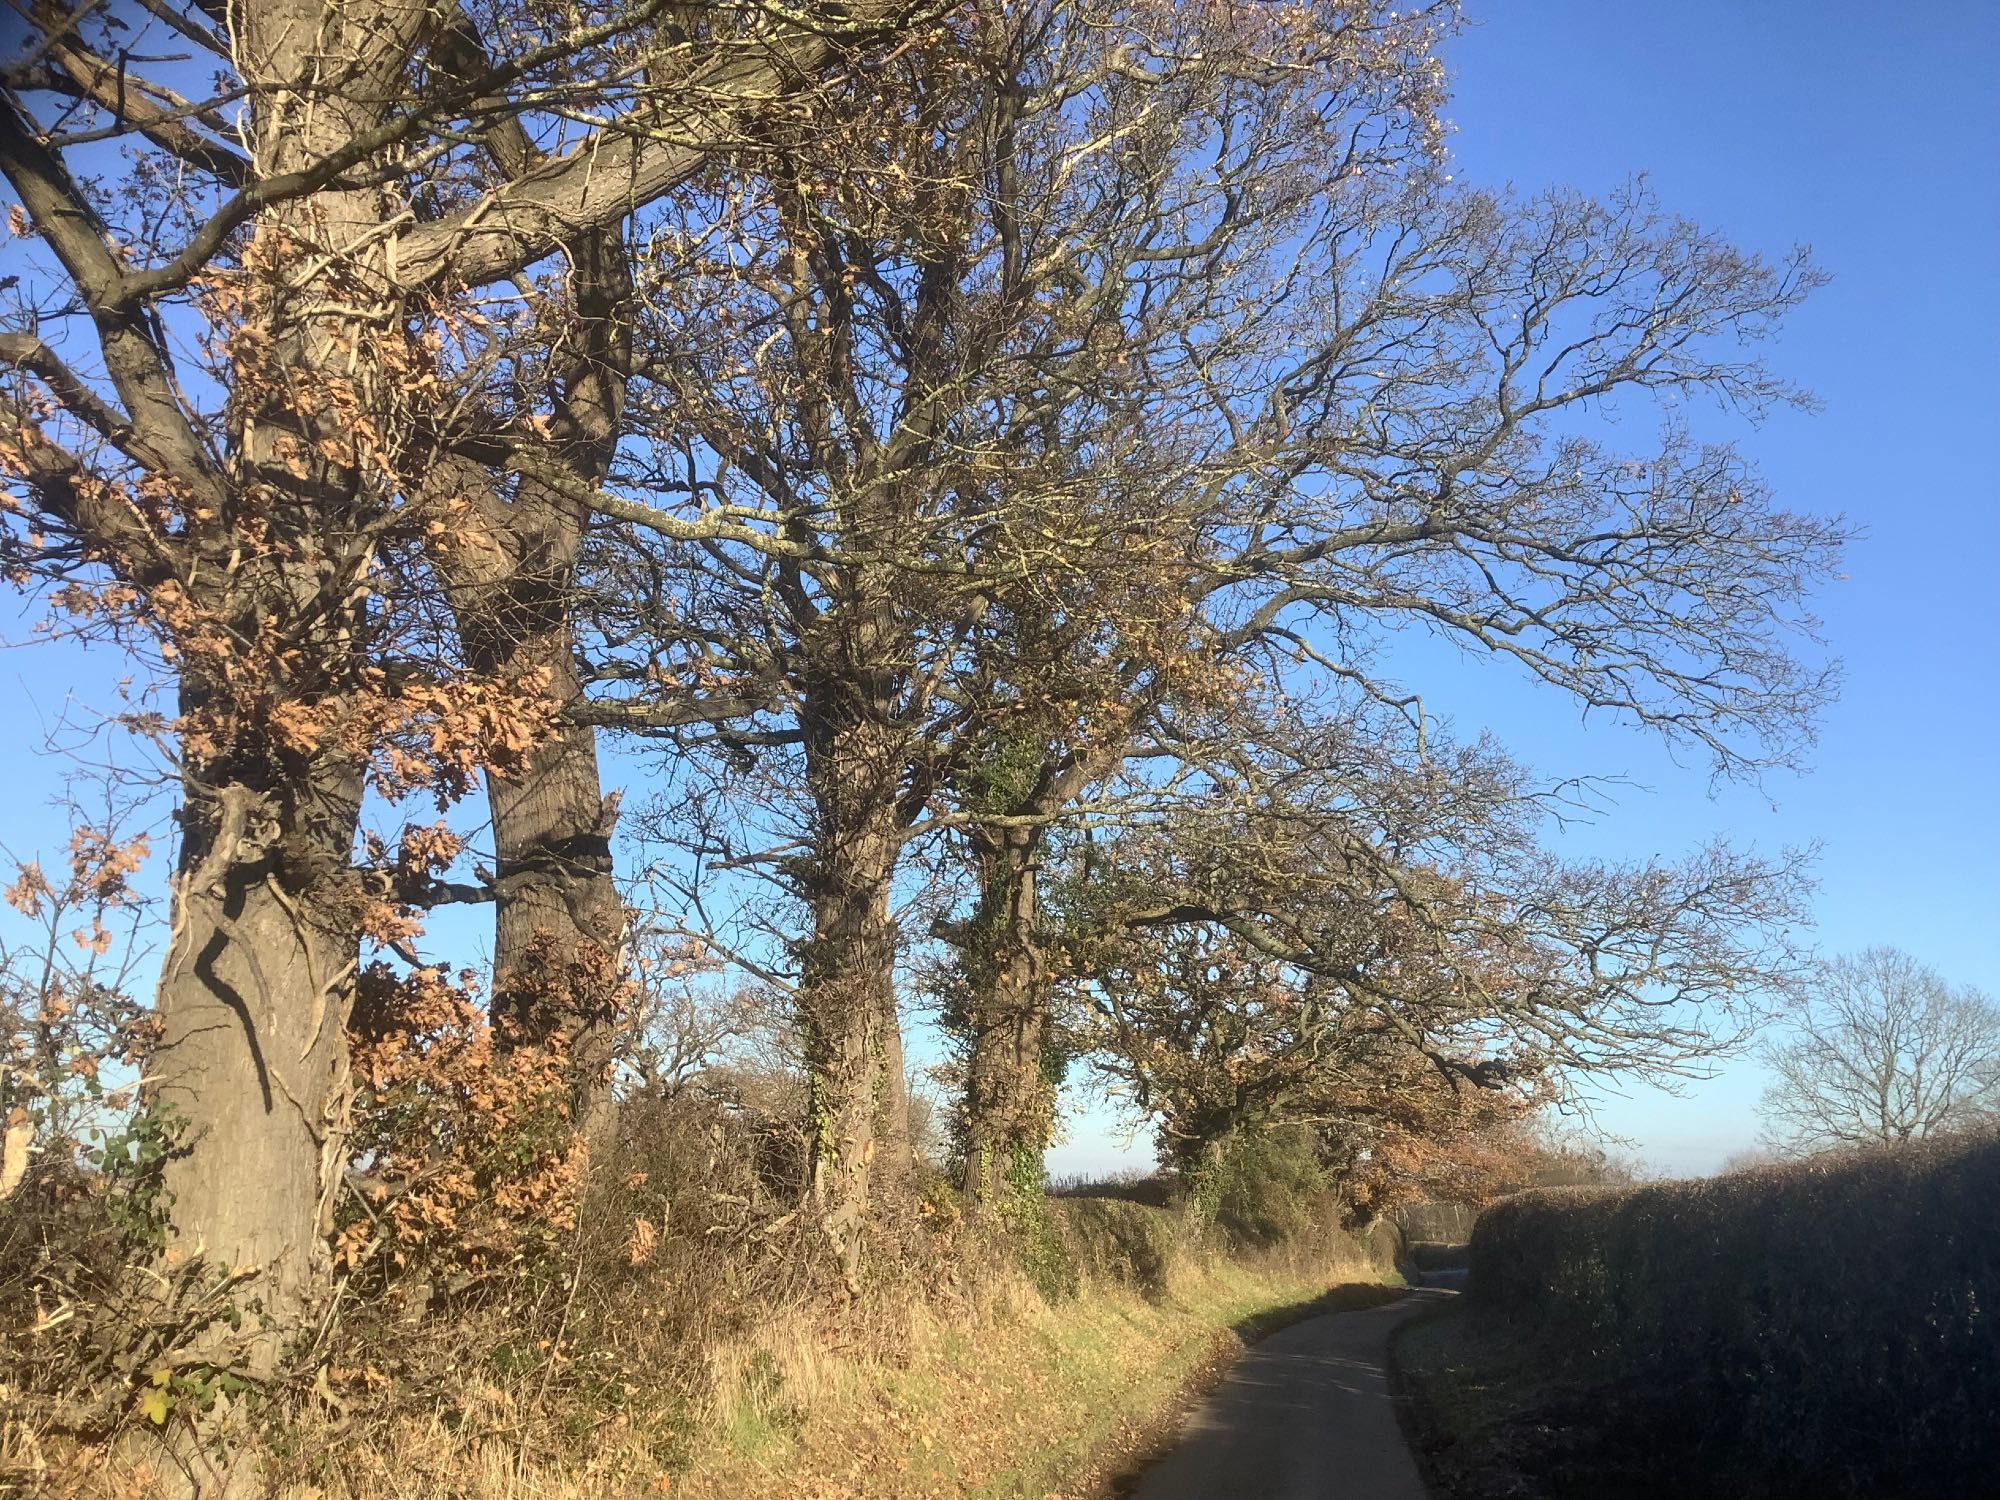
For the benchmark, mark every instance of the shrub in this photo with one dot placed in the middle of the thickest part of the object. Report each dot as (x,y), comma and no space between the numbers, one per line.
(1833,1317)
(1116,1240)
(1269,1187)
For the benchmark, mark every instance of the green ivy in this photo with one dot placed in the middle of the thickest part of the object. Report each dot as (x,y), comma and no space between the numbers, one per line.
(133,1159)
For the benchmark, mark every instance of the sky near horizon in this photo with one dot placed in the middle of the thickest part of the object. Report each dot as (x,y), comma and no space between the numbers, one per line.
(1872,134)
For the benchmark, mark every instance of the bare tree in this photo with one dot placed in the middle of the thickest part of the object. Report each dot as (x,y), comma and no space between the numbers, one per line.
(1214,1039)
(1885,1050)
(1356,397)
(922,395)
(1403,898)
(1385,423)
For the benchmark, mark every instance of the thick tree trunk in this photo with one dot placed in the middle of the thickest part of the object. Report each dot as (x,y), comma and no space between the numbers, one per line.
(1006,1016)
(1198,1163)
(858,1127)
(251,1071)
(1009,1087)
(559,919)
(256,984)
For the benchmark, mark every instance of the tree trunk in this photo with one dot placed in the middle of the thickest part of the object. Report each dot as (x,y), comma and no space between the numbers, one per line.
(1198,1162)
(1007,1002)
(251,1071)
(559,919)
(257,980)
(858,1128)
(1009,1085)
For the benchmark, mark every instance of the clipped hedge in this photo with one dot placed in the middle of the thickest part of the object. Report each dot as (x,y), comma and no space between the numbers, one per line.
(1838,1318)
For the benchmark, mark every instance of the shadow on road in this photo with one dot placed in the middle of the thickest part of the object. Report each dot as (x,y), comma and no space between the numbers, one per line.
(1349,1296)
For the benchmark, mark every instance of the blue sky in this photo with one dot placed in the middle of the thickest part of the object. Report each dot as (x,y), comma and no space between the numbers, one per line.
(1872,134)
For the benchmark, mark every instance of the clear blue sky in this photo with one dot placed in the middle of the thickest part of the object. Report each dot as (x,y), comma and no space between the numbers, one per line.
(1871,133)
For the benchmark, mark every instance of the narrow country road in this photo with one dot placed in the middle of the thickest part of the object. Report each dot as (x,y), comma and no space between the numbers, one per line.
(1304,1415)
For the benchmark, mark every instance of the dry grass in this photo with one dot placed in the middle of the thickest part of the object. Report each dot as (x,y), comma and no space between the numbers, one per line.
(992,1394)
(1020,1398)
(722,1367)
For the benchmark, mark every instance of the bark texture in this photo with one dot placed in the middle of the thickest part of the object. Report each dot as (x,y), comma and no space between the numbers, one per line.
(258,978)
(1009,1084)
(251,1070)
(1005,1005)
(559,918)
(858,1128)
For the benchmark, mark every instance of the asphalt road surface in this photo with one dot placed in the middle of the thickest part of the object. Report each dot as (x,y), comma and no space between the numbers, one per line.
(1305,1415)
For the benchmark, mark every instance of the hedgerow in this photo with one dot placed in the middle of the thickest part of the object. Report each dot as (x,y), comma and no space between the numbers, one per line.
(1835,1317)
